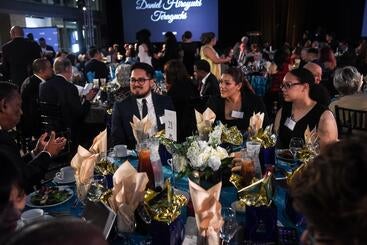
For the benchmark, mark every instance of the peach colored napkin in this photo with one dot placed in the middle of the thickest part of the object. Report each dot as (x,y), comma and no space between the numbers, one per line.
(311,137)
(127,193)
(99,143)
(83,162)
(204,121)
(207,211)
(256,122)
(141,128)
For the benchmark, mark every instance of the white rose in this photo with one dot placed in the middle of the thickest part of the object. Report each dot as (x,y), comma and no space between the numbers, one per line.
(179,163)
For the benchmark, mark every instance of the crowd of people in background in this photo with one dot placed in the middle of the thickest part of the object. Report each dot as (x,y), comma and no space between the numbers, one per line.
(296,87)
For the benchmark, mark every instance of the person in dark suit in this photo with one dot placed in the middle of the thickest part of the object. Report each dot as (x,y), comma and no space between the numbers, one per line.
(34,164)
(30,122)
(18,55)
(96,65)
(47,50)
(59,91)
(141,82)
(208,85)
(182,92)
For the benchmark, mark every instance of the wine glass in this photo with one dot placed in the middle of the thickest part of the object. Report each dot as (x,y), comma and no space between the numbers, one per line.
(295,145)
(170,163)
(230,225)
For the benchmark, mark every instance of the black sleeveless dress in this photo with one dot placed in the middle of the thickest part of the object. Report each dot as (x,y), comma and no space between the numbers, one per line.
(311,119)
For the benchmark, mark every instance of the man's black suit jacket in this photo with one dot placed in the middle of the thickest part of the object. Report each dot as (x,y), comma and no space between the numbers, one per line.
(123,113)
(211,86)
(18,55)
(98,67)
(31,119)
(33,170)
(58,91)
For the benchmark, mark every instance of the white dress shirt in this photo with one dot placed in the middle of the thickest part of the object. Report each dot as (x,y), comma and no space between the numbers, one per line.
(151,112)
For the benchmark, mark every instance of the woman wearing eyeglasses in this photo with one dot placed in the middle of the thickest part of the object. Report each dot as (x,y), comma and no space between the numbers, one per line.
(237,101)
(300,111)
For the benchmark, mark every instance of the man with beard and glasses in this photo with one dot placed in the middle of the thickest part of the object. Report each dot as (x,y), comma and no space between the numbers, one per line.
(142,102)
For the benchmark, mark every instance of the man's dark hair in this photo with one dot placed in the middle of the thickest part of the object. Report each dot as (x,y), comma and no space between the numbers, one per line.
(144,66)
(92,52)
(41,39)
(202,65)
(40,64)
(7,90)
(187,34)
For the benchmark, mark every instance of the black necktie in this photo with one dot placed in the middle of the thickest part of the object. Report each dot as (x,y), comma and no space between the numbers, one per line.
(145,108)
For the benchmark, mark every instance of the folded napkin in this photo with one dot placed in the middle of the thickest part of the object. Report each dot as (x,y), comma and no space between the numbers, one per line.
(256,122)
(141,128)
(99,143)
(83,162)
(204,121)
(207,211)
(127,193)
(311,137)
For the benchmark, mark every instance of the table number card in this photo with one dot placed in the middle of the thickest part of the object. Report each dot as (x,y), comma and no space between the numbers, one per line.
(170,124)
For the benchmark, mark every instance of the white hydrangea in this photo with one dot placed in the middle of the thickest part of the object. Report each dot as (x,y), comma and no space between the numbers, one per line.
(215,135)
(221,152)
(214,162)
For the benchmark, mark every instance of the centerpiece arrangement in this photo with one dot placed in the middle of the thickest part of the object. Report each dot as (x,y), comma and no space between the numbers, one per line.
(202,157)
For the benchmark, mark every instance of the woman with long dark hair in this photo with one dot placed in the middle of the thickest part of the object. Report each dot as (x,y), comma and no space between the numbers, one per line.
(237,101)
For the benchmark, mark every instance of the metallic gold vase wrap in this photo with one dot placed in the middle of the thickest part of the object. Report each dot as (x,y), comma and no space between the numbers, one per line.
(167,208)
(232,135)
(259,193)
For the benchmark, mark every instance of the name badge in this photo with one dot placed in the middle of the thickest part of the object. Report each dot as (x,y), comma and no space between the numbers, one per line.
(290,123)
(237,114)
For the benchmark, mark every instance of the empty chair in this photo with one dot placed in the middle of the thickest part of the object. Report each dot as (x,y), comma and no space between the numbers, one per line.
(350,119)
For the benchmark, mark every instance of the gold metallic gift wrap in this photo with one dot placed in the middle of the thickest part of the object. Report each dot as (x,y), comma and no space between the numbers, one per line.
(259,193)
(239,182)
(232,135)
(105,196)
(265,137)
(305,155)
(104,167)
(167,208)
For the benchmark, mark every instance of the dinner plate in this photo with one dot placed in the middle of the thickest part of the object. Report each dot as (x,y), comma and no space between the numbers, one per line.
(59,181)
(30,204)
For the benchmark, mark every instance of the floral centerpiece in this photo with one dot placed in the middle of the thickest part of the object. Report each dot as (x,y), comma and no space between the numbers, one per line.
(200,159)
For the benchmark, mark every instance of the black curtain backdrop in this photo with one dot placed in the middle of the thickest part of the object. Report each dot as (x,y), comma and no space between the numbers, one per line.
(278,21)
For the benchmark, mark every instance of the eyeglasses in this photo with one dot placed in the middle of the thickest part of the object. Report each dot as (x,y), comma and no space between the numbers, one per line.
(139,80)
(288,85)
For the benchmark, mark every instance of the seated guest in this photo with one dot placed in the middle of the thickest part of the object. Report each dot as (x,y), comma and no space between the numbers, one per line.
(182,92)
(300,111)
(31,119)
(318,93)
(96,65)
(236,103)
(348,81)
(34,164)
(12,196)
(59,91)
(142,102)
(332,195)
(60,231)
(208,84)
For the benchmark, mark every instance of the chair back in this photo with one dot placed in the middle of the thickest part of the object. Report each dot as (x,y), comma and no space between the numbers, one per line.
(350,120)
(51,120)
